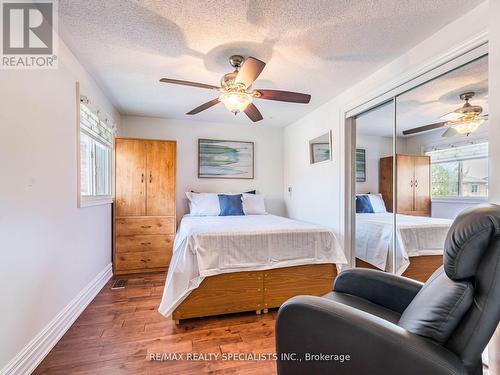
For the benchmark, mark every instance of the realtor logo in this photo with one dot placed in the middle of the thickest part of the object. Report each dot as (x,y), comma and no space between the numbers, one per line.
(28,34)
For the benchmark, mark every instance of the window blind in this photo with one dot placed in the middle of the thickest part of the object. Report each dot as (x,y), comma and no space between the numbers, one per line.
(92,125)
(474,151)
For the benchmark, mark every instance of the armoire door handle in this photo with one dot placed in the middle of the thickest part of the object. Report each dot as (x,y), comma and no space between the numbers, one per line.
(411,183)
(416,183)
(150,177)
(142,177)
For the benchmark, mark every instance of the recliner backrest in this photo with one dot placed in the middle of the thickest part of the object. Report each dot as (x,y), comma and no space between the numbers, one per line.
(438,308)
(472,253)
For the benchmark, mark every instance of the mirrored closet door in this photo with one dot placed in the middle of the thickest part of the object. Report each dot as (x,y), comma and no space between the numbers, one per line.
(441,162)
(421,158)
(373,222)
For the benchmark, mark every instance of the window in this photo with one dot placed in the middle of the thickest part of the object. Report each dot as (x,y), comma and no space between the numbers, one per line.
(460,171)
(445,179)
(96,145)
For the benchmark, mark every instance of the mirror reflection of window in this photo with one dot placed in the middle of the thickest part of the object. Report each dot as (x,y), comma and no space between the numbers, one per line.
(460,171)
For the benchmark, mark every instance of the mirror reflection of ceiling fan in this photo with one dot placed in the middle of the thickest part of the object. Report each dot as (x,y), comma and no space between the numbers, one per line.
(236,89)
(464,120)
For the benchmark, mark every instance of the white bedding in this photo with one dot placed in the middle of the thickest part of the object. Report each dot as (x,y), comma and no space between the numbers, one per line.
(416,236)
(212,245)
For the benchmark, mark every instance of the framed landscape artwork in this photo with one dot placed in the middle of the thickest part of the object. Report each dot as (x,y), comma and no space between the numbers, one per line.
(225,159)
(360,165)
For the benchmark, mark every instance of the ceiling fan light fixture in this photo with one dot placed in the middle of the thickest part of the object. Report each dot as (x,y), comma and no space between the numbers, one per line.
(236,91)
(236,101)
(467,126)
(452,116)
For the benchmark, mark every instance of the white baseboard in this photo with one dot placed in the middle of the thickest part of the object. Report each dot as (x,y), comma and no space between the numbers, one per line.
(26,361)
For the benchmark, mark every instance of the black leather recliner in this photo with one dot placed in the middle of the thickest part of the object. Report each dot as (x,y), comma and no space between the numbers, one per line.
(389,324)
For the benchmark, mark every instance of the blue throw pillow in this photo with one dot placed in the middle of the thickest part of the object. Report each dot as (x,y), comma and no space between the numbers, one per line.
(230,205)
(363,205)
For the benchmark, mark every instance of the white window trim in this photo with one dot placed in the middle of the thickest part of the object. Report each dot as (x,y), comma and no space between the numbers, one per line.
(85,200)
(465,200)
(89,201)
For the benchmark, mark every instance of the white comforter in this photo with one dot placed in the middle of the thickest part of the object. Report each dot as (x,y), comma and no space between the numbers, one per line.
(415,236)
(212,245)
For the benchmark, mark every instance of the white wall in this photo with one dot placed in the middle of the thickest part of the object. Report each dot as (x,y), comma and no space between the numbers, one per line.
(494,101)
(376,148)
(315,187)
(323,201)
(268,156)
(494,135)
(450,210)
(50,248)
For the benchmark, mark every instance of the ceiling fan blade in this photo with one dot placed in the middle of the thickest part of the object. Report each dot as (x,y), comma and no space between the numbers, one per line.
(188,83)
(249,71)
(202,107)
(253,113)
(450,132)
(424,128)
(452,116)
(282,96)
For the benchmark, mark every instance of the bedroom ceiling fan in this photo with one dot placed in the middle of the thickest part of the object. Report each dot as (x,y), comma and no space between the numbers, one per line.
(464,120)
(236,89)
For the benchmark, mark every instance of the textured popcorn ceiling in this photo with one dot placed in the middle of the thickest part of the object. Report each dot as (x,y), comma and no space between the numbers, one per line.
(316,47)
(425,104)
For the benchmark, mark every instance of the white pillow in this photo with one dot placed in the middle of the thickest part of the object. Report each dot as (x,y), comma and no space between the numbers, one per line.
(253,204)
(203,204)
(377,203)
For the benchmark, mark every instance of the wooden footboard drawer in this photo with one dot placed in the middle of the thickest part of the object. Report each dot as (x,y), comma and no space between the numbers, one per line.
(126,226)
(281,284)
(420,268)
(222,294)
(149,242)
(142,260)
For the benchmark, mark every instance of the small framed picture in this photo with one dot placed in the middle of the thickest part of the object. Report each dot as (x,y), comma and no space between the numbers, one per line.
(320,148)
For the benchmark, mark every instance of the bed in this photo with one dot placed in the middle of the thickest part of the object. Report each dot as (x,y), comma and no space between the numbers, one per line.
(226,264)
(420,242)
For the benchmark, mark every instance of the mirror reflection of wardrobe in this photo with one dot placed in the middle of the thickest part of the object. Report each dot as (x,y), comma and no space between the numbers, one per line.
(417,167)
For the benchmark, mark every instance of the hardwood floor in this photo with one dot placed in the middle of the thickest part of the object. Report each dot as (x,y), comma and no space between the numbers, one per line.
(121,328)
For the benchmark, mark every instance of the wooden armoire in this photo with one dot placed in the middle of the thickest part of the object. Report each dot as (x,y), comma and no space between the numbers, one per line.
(144,207)
(413,184)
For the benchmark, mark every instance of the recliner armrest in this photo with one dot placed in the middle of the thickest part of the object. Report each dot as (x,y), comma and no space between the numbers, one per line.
(314,325)
(382,288)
